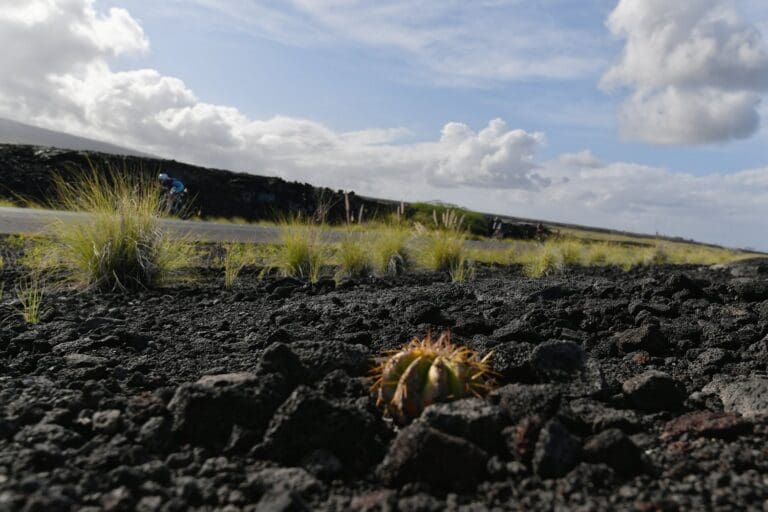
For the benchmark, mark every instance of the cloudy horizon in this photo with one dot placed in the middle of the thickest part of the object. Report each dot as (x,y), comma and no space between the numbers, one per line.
(640,116)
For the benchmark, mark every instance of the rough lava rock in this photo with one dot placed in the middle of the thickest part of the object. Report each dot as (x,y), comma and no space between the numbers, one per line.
(308,421)
(654,391)
(557,451)
(423,454)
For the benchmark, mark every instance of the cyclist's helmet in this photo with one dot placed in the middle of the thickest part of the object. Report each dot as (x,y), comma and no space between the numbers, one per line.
(163,177)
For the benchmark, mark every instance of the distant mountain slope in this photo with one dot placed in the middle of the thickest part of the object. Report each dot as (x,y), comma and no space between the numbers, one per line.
(12,132)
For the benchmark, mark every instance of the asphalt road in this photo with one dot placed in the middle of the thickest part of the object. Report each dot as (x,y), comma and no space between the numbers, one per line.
(28,220)
(32,221)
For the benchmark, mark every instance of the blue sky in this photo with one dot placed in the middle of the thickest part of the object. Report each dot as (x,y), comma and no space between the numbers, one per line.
(644,115)
(350,86)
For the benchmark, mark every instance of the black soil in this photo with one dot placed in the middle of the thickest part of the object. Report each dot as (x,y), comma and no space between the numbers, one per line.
(640,391)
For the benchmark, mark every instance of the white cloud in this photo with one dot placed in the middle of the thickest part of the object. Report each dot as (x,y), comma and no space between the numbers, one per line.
(728,209)
(74,88)
(697,70)
(494,157)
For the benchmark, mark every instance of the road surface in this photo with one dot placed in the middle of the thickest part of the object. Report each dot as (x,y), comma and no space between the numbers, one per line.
(29,221)
(32,220)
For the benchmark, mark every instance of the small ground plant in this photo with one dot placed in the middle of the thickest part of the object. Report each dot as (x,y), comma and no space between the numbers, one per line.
(302,253)
(388,250)
(442,249)
(353,258)
(427,371)
(236,257)
(543,262)
(29,293)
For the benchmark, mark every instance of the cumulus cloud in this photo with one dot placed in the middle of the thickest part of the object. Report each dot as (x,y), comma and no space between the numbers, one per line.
(697,71)
(728,209)
(58,76)
(494,157)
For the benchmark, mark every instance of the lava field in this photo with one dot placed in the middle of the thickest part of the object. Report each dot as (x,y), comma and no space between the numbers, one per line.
(643,390)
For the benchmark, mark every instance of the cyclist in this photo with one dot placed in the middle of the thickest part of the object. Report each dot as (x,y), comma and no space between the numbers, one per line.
(173,192)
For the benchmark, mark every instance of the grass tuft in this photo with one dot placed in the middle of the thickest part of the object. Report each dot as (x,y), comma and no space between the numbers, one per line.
(352,257)
(236,257)
(546,261)
(302,253)
(30,292)
(122,246)
(388,250)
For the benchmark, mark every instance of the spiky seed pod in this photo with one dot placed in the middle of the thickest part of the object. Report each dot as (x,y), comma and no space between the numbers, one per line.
(426,371)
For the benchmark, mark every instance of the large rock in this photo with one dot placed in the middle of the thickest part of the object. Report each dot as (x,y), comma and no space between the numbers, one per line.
(421,453)
(473,419)
(614,448)
(309,421)
(323,357)
(557,360)
(204,412)
(725,425)
(750,289)
(557,451)
(590,416)
(518,330)
(747,396)
(512,361)
(654,391)
(647,337)
(521,400)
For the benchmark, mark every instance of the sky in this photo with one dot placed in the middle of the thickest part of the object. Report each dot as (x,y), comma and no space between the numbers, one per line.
(641,115)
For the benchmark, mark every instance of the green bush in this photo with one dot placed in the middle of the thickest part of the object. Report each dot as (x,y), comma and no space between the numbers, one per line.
(425,213)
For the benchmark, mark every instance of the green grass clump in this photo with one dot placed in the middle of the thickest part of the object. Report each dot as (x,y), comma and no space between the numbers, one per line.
(570,251)
(236,257)
(441,250)
(546,261)
(352,258)
(302,253)
(29,293)
(388,250)
(658,255)
(122,245)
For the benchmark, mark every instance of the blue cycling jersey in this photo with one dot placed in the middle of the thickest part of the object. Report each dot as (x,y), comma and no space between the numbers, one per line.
(177,186)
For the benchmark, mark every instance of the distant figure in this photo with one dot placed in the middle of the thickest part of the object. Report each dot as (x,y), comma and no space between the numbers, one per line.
(172,193)
(497,228)
(541,232)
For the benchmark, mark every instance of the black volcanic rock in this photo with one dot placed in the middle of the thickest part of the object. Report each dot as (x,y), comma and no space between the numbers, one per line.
(190,397)
(654,391)
(425,454)
(27,171)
